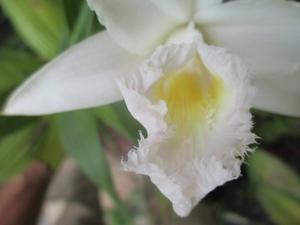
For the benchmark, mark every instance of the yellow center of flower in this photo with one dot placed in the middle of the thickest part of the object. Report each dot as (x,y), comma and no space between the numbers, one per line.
(193,95)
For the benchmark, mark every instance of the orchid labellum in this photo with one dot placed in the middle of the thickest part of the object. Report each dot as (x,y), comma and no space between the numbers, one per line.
(192,97)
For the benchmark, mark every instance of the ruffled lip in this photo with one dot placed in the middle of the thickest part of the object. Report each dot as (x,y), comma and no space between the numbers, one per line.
(186,170)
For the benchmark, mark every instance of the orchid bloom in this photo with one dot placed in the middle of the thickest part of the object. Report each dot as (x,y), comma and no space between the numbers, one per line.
(193,98)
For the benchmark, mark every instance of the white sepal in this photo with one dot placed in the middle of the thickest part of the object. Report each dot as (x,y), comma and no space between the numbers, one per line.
(82,77)
(266,34)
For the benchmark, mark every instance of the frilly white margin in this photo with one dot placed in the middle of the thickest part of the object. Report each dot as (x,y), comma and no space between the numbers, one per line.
(185,171)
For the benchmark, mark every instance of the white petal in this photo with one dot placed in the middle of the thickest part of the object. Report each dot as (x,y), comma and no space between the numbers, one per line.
(204,4)
(266,34)
(275,97)
(186,34)
(186,169)
(178,9)
(137,25)
(82,77)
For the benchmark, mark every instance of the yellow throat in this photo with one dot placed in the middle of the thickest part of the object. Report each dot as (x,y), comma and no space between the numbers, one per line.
(191,94)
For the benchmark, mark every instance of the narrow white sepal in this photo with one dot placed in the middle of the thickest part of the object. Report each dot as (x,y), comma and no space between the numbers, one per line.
(82,77)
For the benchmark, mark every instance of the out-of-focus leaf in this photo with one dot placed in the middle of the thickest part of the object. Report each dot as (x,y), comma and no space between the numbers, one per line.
(111,118)
(15,65)
(41,24)
(71,10)
(36,142)
(81,23)
(283,209)
(79,135)
(16,151)
(267,170)
(114,217)
(80,139)
(270,127)
(83,26)
(51,150)
(231,218)
(132,126)
(12,124)
(277,188)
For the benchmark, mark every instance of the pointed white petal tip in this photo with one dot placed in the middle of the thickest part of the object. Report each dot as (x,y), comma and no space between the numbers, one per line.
(15,110)
(81,77)
(187,165)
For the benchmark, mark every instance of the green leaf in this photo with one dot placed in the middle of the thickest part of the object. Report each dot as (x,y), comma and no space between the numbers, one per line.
(114,217)
(80,139)
(277,188)
(271,127)
(40,23)
(109,115)
(38,141)
(79,135)
(132,125)
(12,124)
(10,74)
(71,10)
(25,139)
(51,150)
(16,151)
(266,169)
(283,209)
(83,26)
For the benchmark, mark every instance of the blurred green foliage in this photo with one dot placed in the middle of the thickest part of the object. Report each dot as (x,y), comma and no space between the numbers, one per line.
(43,29)
(41,24)
(270,128)
(51,150)
(277,188)
(80,138)
(10,74)
(17,148)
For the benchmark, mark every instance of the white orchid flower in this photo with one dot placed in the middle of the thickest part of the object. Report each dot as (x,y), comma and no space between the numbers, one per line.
(192,98)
